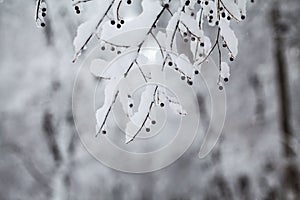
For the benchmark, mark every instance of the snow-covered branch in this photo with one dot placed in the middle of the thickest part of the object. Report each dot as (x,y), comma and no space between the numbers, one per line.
(165,28)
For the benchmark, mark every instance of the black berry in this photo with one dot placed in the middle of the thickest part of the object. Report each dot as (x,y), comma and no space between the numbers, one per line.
(44,9)
(122,21)
(170,63)
(243,17)
(220,87)
(112,22)
(44,14)
(104,132)
(131,105)
(153,122)
(78,11)
(226,79)
(118,25)
(196,72)
(147,129)
(43,24)
(128,1)
(162,104)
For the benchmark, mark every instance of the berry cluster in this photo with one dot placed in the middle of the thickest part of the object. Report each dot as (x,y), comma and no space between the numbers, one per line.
(153,122)
(43,13)
(183,75)
(112,48)
(119,24)
(77,9)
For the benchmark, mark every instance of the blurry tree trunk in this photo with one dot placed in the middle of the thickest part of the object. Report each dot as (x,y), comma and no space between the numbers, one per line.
(51,139)
(257,86)
(61,178)
(290,179)
(280,62)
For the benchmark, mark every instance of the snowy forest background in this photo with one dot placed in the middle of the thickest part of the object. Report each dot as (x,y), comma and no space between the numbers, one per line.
(41,156)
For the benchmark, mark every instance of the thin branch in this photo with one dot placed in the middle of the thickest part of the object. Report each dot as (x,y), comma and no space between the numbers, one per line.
(96,28)
(131,65)
(164,62)
(113,44)
(227,46)
(175,29)
(200,18)
(143,74)
(141,44)
(118,10)
(106,116)
(81,1)
(212,49)
(229,12)
(190,31)
(37,8)
(147,116)
(181,72)
(220,60)
(174,33)
(169,11)
(160,47)
(220,55)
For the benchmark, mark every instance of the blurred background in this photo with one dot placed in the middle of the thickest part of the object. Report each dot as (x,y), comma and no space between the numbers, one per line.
(256,158)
